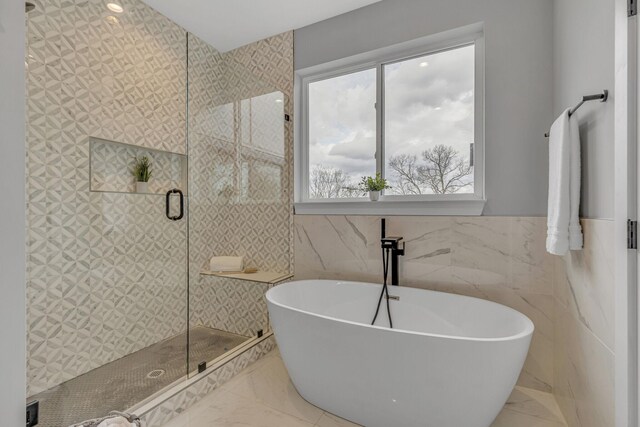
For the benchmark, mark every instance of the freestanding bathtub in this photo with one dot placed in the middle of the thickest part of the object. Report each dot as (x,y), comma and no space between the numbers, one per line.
(450,361)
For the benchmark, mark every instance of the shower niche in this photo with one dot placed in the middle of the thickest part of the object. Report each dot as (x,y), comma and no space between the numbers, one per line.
(111,165)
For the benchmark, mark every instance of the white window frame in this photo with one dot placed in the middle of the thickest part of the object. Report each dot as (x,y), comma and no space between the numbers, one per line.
(426,204)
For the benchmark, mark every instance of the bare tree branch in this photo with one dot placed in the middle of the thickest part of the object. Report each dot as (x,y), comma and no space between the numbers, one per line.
(330,183)
(405,168)
(445,170)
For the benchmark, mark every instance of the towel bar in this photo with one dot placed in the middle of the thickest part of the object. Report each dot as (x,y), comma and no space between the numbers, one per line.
(602,97)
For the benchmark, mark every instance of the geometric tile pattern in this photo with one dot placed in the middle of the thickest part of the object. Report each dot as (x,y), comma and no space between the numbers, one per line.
(106,272)
(231,305)
(188,397)
(231,183)
(240,188)
(105,287)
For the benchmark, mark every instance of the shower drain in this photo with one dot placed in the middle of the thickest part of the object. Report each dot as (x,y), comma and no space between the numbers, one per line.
(156,373)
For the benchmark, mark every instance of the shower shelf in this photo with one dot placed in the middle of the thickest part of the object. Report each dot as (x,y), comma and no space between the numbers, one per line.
(270,277)
(111,162)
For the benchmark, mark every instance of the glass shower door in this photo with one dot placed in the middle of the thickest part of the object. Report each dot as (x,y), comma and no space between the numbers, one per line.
(239,204)
(106,258)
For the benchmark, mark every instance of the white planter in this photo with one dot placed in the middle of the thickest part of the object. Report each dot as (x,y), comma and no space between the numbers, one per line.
(142,187)
(374,196)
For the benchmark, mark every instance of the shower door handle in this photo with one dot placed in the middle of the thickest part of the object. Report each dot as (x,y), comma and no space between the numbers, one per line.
(168,204)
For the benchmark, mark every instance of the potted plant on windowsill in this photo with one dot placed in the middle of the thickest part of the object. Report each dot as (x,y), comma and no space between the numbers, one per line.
(373,185)
(142,172)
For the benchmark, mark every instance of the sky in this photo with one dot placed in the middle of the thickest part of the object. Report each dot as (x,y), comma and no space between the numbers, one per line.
(428,101)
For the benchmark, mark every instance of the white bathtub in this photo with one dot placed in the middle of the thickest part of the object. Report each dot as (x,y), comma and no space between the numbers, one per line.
(450,361)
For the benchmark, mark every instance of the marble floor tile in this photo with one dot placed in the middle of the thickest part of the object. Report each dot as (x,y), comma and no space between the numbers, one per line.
(224,409)
(270,385)
(263,396)
(529,407)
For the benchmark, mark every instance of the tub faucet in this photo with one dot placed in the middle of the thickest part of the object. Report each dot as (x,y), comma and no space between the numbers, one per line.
(393,244)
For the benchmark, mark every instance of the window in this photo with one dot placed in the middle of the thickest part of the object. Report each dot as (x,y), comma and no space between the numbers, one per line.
(412,113)
(342,134)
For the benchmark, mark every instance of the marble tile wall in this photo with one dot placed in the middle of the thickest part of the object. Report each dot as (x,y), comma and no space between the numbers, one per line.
(584,329)
(502,259)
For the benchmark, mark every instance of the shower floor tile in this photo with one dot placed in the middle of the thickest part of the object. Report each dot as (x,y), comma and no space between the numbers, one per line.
(120,384)
(262,395)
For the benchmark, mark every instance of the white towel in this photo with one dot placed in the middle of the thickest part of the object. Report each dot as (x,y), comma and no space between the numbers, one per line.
(226,263)
(116,422)
(563,223)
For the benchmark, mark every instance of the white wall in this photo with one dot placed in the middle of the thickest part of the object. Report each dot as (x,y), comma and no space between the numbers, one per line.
(584,64)
(519,52)
(12,226)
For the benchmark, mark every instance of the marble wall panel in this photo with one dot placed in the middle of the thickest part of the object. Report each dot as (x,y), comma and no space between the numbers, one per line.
(584,329)
(501,259)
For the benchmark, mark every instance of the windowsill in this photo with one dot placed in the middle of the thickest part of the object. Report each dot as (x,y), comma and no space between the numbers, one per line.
(472,207)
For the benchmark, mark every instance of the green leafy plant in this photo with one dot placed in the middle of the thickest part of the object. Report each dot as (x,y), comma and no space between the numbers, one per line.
(373,183)
(142,169)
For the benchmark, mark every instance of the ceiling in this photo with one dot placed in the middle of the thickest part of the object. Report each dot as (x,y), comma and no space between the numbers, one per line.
(228,24)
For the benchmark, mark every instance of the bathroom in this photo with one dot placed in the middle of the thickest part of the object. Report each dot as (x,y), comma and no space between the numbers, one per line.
(189,237)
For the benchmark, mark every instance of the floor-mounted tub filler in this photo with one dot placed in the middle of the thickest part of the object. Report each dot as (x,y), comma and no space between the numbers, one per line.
(450,360)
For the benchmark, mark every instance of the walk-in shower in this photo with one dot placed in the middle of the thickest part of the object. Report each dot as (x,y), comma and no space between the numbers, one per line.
(121,303)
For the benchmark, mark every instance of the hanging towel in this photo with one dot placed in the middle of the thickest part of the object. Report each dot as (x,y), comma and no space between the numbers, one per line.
(563,223)
(226,263)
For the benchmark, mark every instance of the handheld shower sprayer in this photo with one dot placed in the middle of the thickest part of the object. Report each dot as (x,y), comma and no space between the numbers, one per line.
(390,248)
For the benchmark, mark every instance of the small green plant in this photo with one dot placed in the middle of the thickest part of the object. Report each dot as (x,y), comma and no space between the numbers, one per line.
(373,183)
(142,169)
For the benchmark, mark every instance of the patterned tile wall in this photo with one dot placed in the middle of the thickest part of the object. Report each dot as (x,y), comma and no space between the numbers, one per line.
(501,259)
(240,175)
(232,305)
(106,272)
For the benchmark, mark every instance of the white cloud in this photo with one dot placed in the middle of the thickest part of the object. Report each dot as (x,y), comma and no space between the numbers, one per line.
(424,106)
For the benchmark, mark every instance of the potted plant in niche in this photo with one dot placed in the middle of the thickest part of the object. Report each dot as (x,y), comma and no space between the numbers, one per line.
(142,172)
(373,185)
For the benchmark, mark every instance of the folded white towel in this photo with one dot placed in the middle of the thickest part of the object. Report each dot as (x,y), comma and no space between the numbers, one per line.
(116,422)
(563,222)
(114,419)
(226,263)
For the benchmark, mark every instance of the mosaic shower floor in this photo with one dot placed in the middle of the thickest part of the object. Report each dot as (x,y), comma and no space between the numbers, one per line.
(262,395)
(125,382)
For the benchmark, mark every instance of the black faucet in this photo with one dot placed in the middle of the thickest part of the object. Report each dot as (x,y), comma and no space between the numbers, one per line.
(393,244)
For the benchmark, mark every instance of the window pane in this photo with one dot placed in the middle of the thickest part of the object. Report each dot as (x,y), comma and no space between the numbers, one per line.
(429,123)
(342,134)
